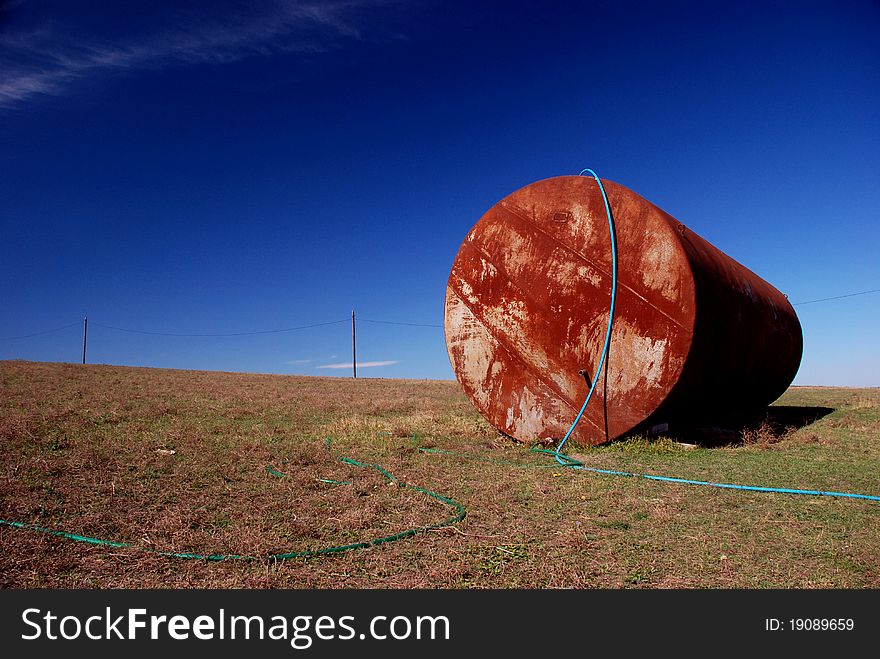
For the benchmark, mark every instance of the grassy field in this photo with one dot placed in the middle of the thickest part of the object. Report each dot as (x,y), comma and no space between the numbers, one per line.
(177,461)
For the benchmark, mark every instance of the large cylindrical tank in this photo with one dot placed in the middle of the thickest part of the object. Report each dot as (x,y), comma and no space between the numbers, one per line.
(697,336)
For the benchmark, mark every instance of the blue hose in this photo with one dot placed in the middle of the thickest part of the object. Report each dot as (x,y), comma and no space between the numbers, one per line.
(559,457)
(571,463)
(567,461)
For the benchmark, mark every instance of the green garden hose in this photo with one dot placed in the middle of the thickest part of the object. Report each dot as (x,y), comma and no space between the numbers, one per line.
(459,516)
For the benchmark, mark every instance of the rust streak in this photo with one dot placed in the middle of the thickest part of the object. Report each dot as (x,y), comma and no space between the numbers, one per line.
(530,367)
(590,262)
(488,259)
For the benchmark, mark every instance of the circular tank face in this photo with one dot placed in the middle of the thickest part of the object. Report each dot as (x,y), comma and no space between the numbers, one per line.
(527,310)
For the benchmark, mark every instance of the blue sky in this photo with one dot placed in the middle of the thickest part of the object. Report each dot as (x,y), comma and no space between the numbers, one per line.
(223,167)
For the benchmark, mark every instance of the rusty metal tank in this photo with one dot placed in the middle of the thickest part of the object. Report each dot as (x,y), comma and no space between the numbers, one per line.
(697,336)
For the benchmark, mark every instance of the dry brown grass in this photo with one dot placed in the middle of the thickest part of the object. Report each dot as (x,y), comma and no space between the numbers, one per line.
(176,461)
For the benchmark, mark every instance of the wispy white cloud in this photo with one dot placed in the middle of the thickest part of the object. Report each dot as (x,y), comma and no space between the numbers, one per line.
(294,362)
(361,364)
(49,60)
